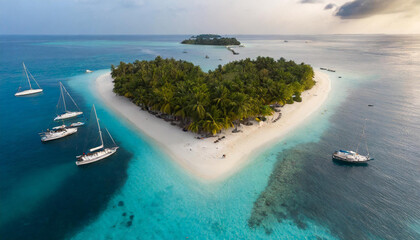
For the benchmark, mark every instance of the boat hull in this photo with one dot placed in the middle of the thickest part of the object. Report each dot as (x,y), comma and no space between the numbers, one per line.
(352,158)
(345,161)
(86,159)
(57,135)
(67,115)
(28,92)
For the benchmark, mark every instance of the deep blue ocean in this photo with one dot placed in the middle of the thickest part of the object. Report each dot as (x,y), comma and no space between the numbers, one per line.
(291,190)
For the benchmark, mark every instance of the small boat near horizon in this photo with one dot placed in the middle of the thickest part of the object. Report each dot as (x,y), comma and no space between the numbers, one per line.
(31,90)
(97,153)
(353,157)
(88,71)
(67,114)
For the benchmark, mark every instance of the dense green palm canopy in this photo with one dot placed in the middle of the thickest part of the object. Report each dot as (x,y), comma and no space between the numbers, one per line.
(209,102)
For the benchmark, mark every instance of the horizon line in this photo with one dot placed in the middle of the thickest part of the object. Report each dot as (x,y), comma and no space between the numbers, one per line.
(183,34)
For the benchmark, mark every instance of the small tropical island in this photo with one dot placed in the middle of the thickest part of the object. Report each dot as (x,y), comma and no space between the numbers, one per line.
(210,123)
(207,103)
(211,39)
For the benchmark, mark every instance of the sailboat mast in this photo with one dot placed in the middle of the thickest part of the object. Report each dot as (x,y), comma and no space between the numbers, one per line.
(26,72)
(99,126)
(62,94)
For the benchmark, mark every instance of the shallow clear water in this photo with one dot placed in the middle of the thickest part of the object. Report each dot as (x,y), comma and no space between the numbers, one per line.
(141,193)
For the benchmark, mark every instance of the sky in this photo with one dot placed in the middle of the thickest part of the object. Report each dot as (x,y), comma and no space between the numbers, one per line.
(210,16)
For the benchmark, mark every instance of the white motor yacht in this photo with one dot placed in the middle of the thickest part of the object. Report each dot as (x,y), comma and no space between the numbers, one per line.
(57,133)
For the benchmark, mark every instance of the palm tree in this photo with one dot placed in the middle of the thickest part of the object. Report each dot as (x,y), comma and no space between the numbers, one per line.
(200,100)
(238,108)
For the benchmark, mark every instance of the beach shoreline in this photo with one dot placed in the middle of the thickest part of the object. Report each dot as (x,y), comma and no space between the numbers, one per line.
(203,158)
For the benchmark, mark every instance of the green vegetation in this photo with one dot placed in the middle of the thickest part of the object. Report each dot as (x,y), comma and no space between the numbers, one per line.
(211,39)
(203,102)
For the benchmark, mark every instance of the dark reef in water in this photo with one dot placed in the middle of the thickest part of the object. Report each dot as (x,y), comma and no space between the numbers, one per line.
(352,202)
(280,200)
(379,201)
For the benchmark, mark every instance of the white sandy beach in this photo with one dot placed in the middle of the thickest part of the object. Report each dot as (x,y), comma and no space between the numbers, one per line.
(204,158)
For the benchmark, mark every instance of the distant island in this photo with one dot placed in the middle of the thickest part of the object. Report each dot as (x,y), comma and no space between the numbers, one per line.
(211,39)
(240,91)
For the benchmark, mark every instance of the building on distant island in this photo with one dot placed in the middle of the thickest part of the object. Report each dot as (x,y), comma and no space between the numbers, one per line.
(211,39)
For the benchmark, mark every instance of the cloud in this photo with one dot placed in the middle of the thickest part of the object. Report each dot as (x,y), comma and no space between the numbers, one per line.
(329,6)
(367,8)
(311,1)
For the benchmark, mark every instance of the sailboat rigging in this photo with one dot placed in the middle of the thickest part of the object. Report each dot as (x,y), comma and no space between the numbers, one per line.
(67,114)
(99,152)
(31,90)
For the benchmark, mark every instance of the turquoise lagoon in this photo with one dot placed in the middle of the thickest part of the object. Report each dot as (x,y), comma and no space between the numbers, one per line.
(290,190)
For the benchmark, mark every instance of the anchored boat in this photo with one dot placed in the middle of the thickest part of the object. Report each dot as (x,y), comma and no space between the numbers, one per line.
(67,114)
(353,157)
(57,133)
(77,124)
(61,131)
(99,152)
(350,157)
(31,90)
(73,125)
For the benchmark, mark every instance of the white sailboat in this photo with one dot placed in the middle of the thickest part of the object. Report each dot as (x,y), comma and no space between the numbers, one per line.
(67,114)
(30,90)
(99,152)
(353,157)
